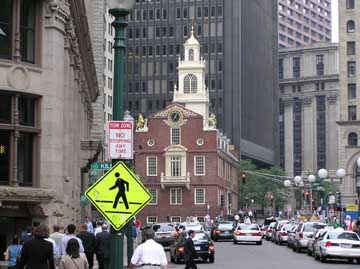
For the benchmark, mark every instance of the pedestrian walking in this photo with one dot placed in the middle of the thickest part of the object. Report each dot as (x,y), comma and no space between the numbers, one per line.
(149,255)
(70,234)
(37,253)
(57,236)
(189,251)
(89,225)
(73,258)
(12,253)
(98,228)
(102,248)
(356,226)
(55,247)
(88,240)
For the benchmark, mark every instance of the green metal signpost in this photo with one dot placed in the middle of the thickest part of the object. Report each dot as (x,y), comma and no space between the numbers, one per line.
(120,23)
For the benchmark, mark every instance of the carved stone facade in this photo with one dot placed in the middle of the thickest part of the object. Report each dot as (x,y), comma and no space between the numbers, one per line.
(62,84)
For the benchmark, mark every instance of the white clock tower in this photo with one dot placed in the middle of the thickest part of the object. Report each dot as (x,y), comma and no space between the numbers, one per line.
(192,89)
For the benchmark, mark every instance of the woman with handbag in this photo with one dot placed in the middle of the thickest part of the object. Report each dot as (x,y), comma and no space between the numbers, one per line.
(73,258)
(12,253)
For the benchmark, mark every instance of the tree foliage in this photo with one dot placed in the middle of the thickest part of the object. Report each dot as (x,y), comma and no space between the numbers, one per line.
(257,187)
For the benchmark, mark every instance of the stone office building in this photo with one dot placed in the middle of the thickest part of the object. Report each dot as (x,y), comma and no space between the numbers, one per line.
(47,86)
(349,124)
(309,89)
(185,162)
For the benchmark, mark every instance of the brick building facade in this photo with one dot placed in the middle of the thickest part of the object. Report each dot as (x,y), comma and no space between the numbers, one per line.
(184,161)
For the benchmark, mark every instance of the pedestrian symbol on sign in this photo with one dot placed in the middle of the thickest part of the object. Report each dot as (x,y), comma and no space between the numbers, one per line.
(120,184)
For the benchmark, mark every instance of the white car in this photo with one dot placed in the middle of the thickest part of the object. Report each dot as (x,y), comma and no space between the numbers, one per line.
(247,233)
(338,244)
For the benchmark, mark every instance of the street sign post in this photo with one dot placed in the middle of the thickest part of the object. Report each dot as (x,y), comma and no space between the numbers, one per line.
(121,140)
(118,195)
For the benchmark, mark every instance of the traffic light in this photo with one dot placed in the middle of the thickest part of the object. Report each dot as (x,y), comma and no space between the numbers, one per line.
(243,177)
(313,205)
(338,198)
(271,200)
(222,200)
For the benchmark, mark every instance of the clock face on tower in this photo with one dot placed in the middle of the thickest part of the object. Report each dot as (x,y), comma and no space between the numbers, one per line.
(175,117)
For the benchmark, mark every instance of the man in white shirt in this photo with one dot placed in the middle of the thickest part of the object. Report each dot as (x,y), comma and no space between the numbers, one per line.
(149,255)
(71,234)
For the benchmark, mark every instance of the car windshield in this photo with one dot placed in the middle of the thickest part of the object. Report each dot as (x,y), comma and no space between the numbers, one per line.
(287,227)
(313,227)
(163,228)
(225,226)
(200,237)
(272,225)
(252,227)
(345,235)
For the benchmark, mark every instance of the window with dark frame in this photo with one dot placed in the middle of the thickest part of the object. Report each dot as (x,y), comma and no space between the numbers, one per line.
(351,48)
(352,113)
(351,69)
(296,67)
(350,4)
(352,140)
(351,91)
(319,65)
(350,26)
(26,126)
(25,31)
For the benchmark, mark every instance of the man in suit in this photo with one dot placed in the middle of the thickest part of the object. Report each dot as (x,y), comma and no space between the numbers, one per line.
(190,252)
(102,248)
(88,240)
(37,253)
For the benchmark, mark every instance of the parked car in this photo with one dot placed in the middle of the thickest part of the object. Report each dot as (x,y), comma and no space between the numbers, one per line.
(204,247)
(222,230)
(269,231)
(338,244)
(291,236)
(304,232)
(164,233)
(313,239)
(247,233)
(277,227)
(281,235)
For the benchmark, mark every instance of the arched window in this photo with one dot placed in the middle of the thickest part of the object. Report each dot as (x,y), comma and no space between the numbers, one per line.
(352,139)
(190,84)
(350,26)
(191,55)
(357,176)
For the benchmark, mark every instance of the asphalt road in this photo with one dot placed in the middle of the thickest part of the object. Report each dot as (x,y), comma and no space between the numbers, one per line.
(269,255)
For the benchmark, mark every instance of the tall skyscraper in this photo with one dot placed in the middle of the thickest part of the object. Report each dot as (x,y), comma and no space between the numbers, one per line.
(303,22)
(239,44)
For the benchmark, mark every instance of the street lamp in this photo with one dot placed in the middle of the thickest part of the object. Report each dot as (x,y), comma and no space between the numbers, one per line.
(120,9)
(311,179)
(322,173)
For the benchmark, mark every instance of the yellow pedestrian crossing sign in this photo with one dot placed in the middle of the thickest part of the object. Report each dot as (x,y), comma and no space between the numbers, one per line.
(118,195)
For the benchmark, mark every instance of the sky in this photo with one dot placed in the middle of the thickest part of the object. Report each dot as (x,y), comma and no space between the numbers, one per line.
(334,21)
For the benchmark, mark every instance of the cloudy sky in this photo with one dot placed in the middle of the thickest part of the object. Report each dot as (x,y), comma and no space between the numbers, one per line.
(335,21)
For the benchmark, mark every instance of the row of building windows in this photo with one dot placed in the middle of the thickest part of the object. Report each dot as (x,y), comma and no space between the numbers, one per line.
(170,49)
(296,66)
(297,88)
(176,196)
(180,13)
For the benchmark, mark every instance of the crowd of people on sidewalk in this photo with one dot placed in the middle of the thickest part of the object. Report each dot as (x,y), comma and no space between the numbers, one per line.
(37,248)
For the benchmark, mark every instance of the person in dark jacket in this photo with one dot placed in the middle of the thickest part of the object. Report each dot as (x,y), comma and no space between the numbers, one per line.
(88,240)
(189,251)
(37,253)
(102,248)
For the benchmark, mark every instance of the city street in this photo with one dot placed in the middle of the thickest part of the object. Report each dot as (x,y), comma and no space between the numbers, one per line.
(270,255)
